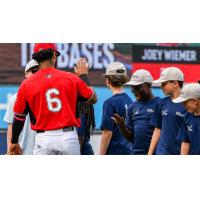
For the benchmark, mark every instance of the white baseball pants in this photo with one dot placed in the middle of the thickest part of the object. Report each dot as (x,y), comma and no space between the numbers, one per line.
(57,142)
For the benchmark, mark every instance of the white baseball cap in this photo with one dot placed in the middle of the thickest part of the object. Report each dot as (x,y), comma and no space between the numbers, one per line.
(189,91)
(30,64)
(115,68)
(139,77)
(170,74)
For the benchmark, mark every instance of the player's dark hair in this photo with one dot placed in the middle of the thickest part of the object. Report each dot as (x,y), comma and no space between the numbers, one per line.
(117,80)
(180,83)
(148,84)
(43,55)
(87,111)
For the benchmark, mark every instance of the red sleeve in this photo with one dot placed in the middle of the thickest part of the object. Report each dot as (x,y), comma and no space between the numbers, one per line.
(84,92)
(20,104)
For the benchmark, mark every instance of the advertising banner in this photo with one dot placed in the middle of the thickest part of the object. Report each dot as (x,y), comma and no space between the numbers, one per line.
(156,58)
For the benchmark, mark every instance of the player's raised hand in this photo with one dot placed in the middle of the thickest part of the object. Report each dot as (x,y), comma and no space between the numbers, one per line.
(82,67)
(14,149)
(118,120)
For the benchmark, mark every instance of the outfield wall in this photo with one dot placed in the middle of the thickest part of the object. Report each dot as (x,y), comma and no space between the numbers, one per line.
(103,93)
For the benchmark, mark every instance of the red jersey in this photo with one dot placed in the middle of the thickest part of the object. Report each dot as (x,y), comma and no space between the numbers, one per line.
(50,97)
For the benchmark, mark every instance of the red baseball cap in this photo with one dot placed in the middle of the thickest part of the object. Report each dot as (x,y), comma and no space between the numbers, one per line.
(44,46)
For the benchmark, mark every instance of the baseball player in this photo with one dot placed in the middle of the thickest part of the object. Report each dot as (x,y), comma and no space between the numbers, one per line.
(190,129)
(168,116)
(27,137)
(52,106)
(112,141)
(137,128)
(86,111)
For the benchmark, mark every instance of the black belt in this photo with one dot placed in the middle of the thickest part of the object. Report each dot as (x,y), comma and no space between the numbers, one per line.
(65,129)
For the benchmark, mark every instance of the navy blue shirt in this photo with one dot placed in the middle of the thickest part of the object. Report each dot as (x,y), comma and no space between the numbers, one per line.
(86,148)
(118,103)
(190,133)
(138,117)
(168,117)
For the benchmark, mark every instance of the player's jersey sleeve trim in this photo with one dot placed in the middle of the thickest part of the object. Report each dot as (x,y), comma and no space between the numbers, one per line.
(20,119)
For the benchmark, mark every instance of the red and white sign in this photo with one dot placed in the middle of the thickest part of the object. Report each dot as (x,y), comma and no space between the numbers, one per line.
(156,58)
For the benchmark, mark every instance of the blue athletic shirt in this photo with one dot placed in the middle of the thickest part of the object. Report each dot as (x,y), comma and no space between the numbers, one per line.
(118,103)
(168,117)
(138,117)
(86,148)
(190,133)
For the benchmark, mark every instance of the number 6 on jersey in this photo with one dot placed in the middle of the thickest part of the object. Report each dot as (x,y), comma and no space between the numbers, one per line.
(54,103)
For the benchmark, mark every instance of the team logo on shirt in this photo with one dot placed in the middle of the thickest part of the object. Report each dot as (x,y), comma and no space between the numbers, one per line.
(150,110)
(126,110)
(48,76)
(136,111)
(164,112)
(179,114)
(189,128)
